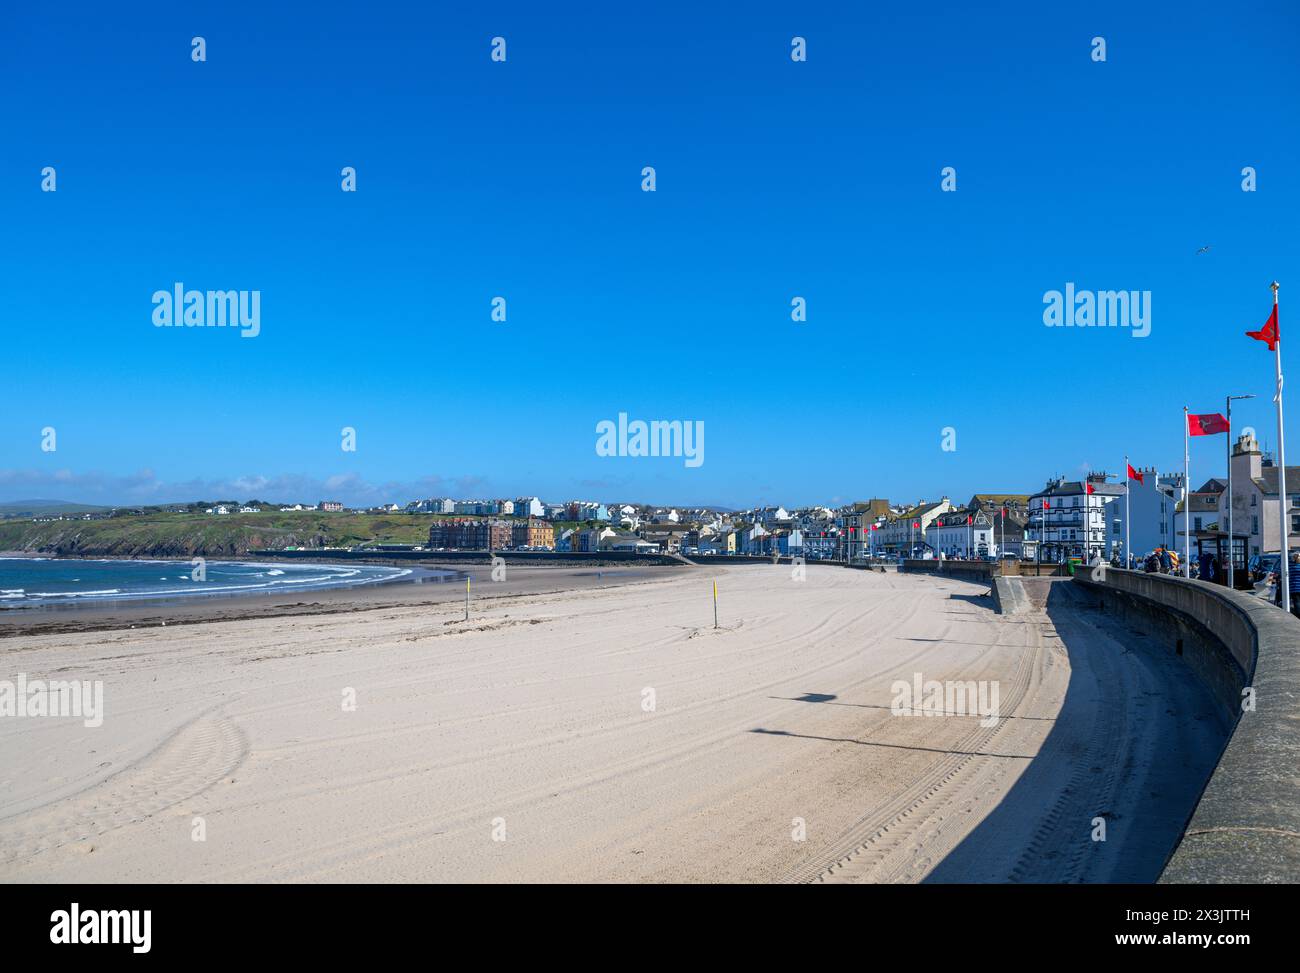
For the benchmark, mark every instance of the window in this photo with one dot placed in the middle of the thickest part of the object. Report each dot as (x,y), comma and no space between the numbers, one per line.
(1254,525)
(1252,499)
(1295,524)
(1196,521)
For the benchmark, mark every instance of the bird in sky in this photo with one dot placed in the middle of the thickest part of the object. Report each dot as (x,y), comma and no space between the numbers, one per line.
(1203,250)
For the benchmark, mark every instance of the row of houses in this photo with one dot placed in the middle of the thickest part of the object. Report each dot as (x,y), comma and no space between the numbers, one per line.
(1095,514)
(488,534)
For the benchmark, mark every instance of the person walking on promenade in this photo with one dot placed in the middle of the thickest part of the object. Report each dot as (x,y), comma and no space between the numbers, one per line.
(1293,583)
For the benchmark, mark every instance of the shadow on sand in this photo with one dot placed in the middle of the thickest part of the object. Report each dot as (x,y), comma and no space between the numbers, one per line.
(1043,832)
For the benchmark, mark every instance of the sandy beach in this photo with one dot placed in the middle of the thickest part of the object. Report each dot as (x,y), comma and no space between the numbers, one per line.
(605,733)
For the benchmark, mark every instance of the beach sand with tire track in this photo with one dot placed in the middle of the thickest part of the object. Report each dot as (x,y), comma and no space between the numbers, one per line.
(521,745)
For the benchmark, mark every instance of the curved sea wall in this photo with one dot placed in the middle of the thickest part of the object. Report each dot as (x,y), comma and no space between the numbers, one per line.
(1246,825)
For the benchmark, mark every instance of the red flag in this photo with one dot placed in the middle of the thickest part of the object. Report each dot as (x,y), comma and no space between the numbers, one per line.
(1134,474)
(968,520)
(916,524)
(1210,424)
(1268,332)
(1089,489)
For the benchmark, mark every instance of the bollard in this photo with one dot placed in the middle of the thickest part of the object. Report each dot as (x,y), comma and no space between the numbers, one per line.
(715,604)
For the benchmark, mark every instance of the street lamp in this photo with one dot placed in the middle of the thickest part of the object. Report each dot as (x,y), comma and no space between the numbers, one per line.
(1232,555)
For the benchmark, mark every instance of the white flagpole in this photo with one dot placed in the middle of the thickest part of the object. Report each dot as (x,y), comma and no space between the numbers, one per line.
(1228,415)
(1281,469)
(1128,558)
(1187,502)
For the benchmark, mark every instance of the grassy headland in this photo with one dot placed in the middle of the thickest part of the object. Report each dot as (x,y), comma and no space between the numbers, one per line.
(209,535)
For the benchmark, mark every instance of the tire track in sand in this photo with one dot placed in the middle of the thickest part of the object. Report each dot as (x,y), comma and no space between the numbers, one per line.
(189,761)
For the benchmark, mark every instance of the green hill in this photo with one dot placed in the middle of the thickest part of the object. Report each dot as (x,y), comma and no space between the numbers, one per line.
(45,508)
(208,535)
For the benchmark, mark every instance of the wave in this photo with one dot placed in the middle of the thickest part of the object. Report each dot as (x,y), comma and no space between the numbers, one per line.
(75,594)
(231,578)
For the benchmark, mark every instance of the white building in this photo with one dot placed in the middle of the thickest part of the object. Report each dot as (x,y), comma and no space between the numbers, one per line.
(1151,512)
(963,533)
(1075,519)
(905,533)
(530,507)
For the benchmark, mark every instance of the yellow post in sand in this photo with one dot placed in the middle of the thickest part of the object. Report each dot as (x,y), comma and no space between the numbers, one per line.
(715,604)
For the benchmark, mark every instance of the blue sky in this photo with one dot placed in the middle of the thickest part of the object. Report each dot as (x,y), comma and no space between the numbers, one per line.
(523,179)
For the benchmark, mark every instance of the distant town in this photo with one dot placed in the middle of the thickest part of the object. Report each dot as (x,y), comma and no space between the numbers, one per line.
(1087,518)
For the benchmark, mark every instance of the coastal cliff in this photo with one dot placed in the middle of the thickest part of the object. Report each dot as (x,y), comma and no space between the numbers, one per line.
(189,535)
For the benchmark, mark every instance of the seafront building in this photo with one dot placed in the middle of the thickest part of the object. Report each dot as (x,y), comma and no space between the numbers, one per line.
(533,532)
(1255,507)
(967,532)
(1151,506)
(472,535)
(1072,518)
(904,532)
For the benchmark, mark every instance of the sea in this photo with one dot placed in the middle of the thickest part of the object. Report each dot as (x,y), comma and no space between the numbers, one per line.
(30,582)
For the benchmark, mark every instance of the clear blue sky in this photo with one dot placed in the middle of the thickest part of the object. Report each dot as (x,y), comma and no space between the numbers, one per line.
(522,179)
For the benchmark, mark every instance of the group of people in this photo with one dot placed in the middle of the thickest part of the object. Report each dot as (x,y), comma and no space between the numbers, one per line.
(1211,568)
(1208,567)
(1161,561)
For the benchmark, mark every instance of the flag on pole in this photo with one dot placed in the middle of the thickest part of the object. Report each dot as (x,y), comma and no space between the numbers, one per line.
(1134,474)
(1089,489)
(1210,424)
(1269,332)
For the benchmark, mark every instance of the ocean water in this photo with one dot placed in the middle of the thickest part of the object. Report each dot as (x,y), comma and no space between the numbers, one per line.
(30,582)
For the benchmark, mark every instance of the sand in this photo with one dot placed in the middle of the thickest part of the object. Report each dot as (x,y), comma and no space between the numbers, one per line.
(522,746)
